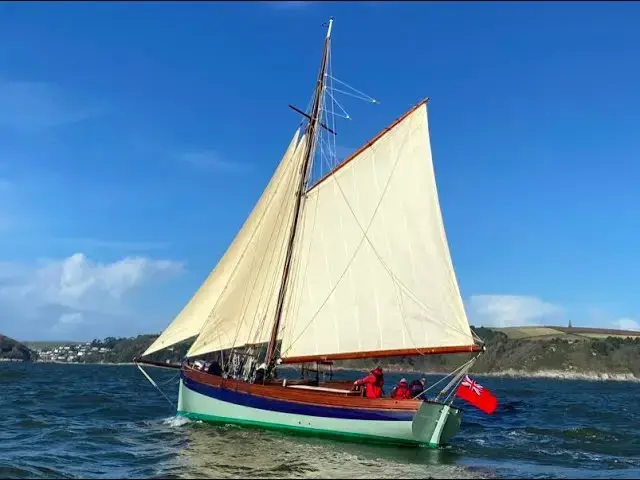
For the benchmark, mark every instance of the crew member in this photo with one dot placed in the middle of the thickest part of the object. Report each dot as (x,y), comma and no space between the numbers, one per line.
(417,387)
(372,383)
(214,368)
(260,373)
(401,391)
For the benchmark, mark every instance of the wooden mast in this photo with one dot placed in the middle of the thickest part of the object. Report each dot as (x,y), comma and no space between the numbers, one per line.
(304,170)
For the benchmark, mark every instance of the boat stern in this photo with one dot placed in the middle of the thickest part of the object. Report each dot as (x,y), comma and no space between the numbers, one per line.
(434,424)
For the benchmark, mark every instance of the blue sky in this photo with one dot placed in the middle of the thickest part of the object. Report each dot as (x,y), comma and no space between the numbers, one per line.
(136,137)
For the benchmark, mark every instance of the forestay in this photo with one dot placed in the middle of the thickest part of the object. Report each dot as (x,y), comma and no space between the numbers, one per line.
(372,269)
(245,309)
(193,316)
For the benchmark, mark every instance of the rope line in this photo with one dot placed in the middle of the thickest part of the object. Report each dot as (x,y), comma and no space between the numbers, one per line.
(156,385)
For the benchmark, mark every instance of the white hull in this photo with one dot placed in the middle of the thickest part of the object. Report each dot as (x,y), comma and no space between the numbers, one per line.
(414,431)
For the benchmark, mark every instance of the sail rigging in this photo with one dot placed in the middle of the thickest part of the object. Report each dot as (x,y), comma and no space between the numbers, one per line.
(358,265)
(311,134)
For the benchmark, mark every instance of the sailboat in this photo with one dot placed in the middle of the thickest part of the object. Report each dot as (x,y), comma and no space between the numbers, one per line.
(355,265)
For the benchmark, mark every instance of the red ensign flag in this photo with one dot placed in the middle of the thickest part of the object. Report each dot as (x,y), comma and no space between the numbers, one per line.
(477,395)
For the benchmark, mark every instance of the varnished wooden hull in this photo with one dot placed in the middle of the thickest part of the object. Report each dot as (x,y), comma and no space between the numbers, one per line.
(214,399)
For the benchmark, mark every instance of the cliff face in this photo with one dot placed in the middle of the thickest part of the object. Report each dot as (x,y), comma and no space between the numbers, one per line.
(14,350)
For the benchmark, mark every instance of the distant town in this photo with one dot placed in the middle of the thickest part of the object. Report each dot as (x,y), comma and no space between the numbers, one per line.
(108,350)
(80,353)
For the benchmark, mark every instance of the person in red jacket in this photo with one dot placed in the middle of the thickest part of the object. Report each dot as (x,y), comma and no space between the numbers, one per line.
(372,383)
(401,391)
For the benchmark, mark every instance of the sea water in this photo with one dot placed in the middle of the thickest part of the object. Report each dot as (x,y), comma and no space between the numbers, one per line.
(107,421)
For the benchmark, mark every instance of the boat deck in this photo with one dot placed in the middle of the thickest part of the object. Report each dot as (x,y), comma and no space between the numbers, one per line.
(334,393)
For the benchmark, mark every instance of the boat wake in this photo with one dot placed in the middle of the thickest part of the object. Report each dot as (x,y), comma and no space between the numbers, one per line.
(177,421)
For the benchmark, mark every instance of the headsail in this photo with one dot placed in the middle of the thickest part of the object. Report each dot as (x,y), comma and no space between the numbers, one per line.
(373,274)
(246,307)
(193,316)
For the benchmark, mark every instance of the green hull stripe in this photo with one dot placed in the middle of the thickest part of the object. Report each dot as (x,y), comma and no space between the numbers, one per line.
(300,430)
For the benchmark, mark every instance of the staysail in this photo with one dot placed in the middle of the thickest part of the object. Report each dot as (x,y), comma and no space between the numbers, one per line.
(372,270)
(189,322)
(244,312)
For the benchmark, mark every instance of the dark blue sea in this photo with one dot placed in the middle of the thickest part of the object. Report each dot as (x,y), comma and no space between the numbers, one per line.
(107,421)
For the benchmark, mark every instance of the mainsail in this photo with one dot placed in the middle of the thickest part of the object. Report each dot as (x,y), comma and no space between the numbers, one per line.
(194,315)
(372,272)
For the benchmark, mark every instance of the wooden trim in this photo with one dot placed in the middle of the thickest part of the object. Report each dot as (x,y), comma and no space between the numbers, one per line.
(368,144)
(309,397)
(402,352)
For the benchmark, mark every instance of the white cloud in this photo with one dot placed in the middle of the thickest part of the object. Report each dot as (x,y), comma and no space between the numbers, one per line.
(512,310)
(211,161)
(66,292)
(627,324)
(71,318)
(67,323)
(32,106)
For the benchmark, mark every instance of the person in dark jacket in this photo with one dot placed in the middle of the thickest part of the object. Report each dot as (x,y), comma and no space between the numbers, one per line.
(401,391)
(372,383)
(214,368)
(260,373)
(417,387)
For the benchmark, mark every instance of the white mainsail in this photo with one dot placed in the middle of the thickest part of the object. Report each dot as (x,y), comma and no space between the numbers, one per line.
(244,312)
(189,322)
(372,269)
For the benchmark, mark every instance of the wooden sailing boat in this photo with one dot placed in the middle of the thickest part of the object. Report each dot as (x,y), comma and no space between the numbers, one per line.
(355,266)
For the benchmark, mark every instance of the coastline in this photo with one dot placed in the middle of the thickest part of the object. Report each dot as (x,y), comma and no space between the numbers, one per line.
(565,375)
(510,373)
(85,363)
(513,373)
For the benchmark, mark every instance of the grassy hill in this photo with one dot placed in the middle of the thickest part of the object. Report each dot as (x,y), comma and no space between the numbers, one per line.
(568,333)
(47,344)
(533,350)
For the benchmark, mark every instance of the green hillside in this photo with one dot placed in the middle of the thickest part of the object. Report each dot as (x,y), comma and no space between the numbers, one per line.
(575,333)
(535,349)
(45,344)
(11,349)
